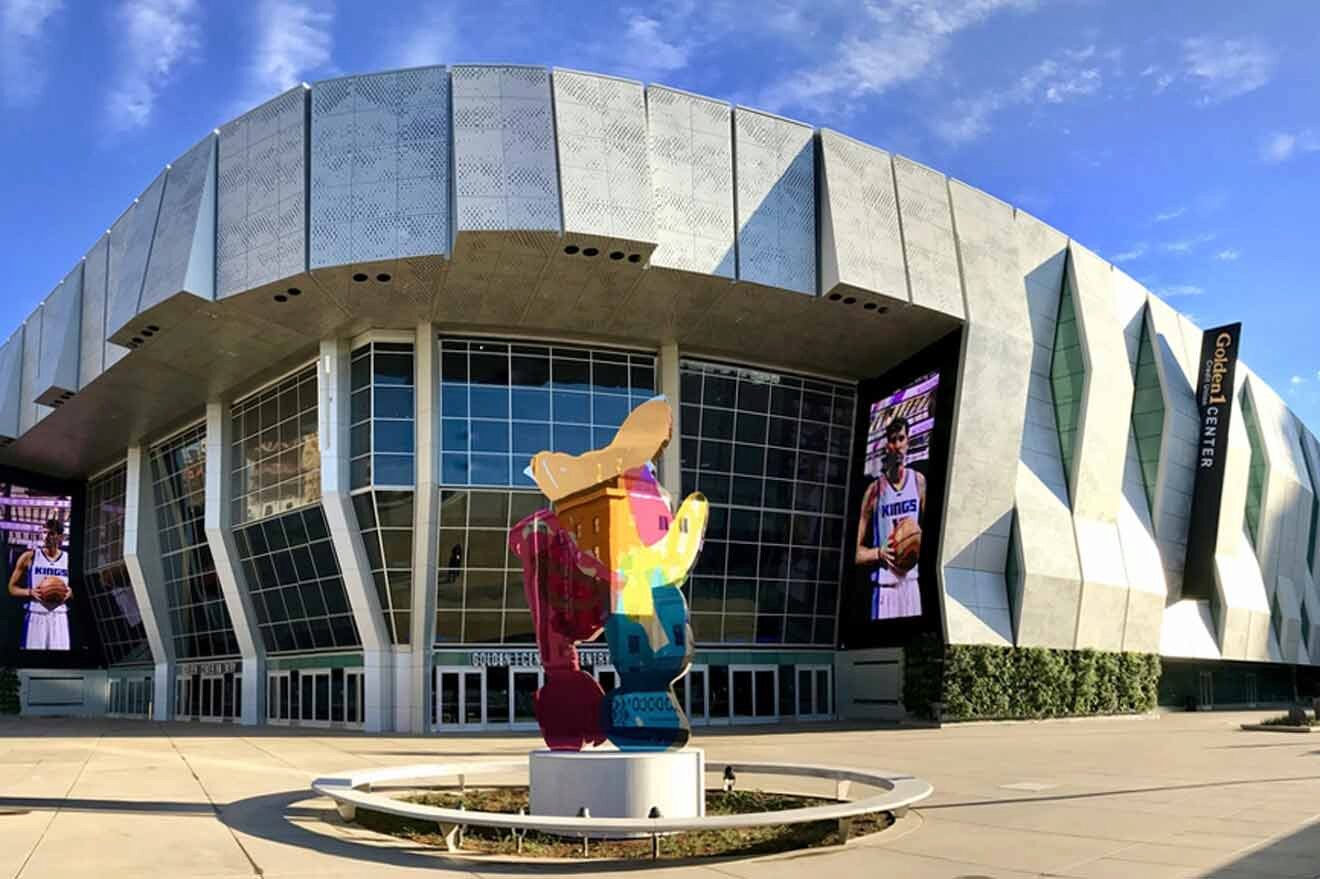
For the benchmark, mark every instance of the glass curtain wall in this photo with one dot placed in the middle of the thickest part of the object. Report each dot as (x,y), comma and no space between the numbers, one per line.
(283,540)
(771,452)
(199,616)
(105,576)
(382,449)
(501,403)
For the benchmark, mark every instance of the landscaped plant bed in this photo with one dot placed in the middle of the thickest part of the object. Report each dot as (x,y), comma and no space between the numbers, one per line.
(1282,723)
(743,842)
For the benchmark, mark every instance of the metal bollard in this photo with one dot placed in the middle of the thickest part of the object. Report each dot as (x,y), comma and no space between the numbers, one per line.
(584,812)
(518,835)
(655,837)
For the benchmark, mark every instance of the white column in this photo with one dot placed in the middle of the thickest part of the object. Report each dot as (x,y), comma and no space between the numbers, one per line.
(142,558)
(426,528)
(377,651)
(671,459)
(220,539)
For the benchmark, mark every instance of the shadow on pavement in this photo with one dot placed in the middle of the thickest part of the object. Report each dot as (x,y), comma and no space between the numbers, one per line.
(1297,854)
(82,805)
(1101,794)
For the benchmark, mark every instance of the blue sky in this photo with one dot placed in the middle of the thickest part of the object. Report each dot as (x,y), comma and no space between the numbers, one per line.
(1180,139)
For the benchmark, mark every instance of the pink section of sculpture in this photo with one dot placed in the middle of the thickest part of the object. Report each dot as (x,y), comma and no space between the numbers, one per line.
(568,592)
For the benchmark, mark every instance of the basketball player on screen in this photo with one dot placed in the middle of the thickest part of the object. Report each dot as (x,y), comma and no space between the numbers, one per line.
(897,494)
(42,577)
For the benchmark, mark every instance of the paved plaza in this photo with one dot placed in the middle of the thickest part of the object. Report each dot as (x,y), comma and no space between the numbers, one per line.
(1178,795)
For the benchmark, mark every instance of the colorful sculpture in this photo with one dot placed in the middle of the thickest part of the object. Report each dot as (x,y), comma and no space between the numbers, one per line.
(612,556)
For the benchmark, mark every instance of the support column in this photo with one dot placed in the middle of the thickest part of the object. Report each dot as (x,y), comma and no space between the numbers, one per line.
(377,651)
(220,539)
(142,558)
(426,526)
(671,459)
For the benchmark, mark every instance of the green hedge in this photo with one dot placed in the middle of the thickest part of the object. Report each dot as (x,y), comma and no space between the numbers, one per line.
(8,691)
(981,682)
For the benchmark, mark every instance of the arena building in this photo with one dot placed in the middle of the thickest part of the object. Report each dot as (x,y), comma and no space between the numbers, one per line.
(290,395)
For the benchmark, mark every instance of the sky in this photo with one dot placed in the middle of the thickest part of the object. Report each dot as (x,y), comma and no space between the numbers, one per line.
(1179,139)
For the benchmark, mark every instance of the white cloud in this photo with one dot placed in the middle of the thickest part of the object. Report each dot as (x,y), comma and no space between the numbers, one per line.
(1227,68)
(1136,251)
(1186,245)
(1160,78)
(1228,255)
(1283,145)
(1297,380)
(1179,290)
(1055,80)
(1173,214)
(887,43)
(430,38)
(22,68)
(646,38)
(293,40)
(153,38)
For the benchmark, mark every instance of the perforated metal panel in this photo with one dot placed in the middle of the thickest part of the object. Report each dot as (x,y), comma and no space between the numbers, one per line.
(380,167)
(932,260)
(91,357)
(183,253)
(604,171)
(504,150)
(57,379)
(776,205)
(691,152)
(29,413)
(261,196)
(11,379)
(130,249)
(861,245)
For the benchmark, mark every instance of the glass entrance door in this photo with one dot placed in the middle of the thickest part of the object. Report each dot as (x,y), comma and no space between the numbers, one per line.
(607,677)
(212,697)
(814,691)
(755,693)
(460,697)
(314,697)
(692,694)
(522,710)
(354,698)
(277,697)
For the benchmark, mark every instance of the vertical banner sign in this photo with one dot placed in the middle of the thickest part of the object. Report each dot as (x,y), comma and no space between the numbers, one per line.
(1214,400)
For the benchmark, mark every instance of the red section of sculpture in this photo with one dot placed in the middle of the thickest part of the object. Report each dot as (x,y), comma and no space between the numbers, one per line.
(568,592)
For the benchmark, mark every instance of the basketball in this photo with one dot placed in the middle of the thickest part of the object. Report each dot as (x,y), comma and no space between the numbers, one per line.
(905,540)
(52,590)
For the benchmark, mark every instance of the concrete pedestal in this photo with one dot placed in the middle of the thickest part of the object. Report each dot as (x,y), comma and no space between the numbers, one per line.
(618,784)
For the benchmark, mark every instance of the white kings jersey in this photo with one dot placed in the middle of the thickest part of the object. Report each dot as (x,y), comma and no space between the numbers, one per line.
(891,505)
(43,567)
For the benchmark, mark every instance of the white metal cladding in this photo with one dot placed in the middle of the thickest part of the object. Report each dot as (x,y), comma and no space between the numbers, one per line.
(1045,612)
(776,204)
(261,195)
(11,382)
(380,167)
(992,390)
(505,173)
(130,249)
(691,156)
(183,252)
(604,170)
(92,343)
(29,413)
(861,245)
(932,260)
(60,326)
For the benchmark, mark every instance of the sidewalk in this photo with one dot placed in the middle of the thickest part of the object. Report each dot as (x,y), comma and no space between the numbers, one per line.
(1182,795)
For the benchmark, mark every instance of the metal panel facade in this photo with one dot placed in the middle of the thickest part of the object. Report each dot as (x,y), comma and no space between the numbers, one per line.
(262,203)
(58,377)
(604,170)
(11,383)
(29,413)
(776,203)
(130,249)
(861,245)
(932,260)
(183,253)
(380,167)
(506,176)
(92,347)
(691,153)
